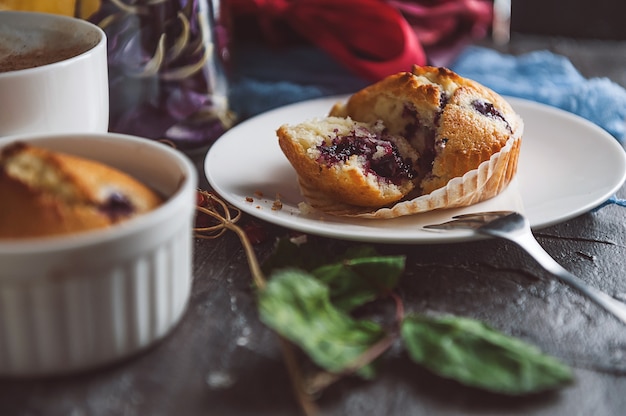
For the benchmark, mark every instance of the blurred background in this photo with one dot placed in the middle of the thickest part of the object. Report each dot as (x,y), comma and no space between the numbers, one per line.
(600,19)
(275,52)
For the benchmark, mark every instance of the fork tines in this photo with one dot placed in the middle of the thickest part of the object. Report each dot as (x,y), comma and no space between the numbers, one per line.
(470,221)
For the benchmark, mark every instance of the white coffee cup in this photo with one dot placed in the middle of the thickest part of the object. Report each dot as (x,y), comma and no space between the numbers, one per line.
(70,95)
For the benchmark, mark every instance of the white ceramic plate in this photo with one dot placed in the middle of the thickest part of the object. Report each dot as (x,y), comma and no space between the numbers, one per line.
(567,166)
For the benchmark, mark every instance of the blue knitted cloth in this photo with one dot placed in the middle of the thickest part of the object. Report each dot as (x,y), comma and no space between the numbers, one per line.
(549,79)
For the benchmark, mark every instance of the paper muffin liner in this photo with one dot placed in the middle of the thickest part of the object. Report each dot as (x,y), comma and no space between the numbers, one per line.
(486,181)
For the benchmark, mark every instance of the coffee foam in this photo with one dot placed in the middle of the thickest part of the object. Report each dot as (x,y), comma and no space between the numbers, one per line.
(45,43)
(19,40)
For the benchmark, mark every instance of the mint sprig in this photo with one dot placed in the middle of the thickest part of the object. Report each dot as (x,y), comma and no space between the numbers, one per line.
(311,308)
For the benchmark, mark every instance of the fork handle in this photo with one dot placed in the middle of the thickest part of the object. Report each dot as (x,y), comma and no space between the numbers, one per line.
(527,242)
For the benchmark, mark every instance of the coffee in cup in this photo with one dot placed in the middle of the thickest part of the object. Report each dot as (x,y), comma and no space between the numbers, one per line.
(53,74)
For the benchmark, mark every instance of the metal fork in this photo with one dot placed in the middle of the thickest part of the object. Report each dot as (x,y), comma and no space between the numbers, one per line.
(515,227)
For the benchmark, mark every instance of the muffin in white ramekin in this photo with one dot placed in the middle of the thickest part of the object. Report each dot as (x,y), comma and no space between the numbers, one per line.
(75,302)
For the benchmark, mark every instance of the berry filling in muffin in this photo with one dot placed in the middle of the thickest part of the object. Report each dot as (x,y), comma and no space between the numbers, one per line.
(380,155)
(488,110)
(117,206)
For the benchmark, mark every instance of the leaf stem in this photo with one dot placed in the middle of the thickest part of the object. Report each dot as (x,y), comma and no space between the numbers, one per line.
(304,399)
(227,221)
(323,379)
(253,262)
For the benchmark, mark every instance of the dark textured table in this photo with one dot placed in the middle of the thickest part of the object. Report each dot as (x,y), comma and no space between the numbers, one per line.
(221,360)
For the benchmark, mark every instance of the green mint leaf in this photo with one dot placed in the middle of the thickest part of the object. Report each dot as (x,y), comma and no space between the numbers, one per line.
(474,354)
(298,307)
(354,278)
(356,281)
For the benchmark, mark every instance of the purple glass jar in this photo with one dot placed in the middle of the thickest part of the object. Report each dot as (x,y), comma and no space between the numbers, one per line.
(166,61)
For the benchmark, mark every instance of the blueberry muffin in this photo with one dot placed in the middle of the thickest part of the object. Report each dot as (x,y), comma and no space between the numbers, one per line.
(47,193)
(465,140)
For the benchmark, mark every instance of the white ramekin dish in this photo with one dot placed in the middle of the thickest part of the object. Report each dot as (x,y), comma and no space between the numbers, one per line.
(76,302)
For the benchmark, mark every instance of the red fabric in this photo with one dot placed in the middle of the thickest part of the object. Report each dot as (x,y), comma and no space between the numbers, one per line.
(441,21)
(373,38)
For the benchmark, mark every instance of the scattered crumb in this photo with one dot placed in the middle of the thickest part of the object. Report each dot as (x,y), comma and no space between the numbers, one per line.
(305,208)
(277,205)
(249,199)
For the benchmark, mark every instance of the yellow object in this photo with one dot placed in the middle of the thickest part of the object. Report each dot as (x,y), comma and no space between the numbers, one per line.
(66,7)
